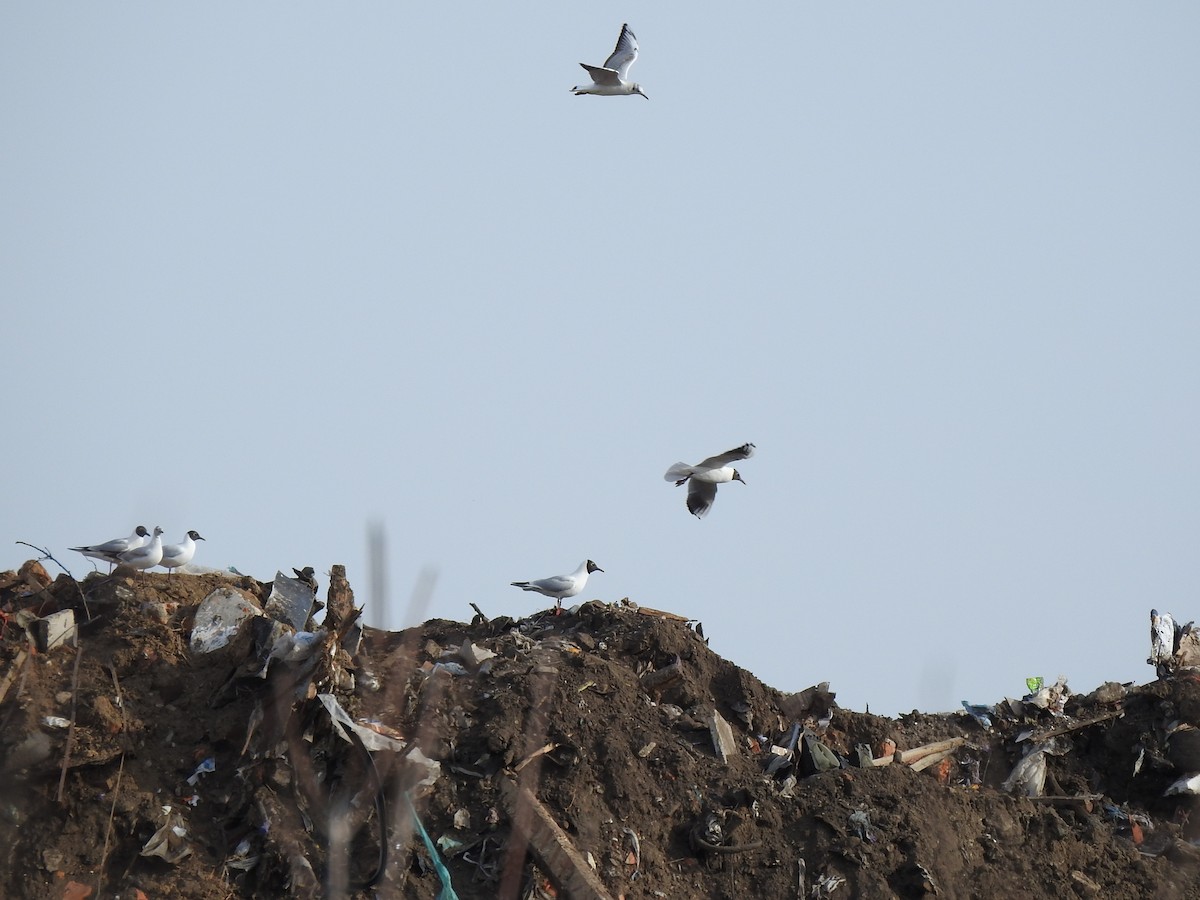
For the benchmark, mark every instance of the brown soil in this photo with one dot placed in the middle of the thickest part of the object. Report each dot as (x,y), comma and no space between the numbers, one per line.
(622,697)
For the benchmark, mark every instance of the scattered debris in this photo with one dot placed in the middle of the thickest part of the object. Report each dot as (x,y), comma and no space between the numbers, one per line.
(55,630)
(247,750)
(722,736)
(170,840)
(636,849)
(219,618)
(291,600)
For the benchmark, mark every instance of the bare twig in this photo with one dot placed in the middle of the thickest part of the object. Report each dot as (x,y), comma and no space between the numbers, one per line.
(46,554)
(116,789)
(62,780)
(530,757)
(1039,736)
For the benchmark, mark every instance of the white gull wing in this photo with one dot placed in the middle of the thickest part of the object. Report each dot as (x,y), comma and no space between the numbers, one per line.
(701,495)
(176,555)
(561,586)
(625,54)
(603,76)
(723,459)
(146,557)
(558,584)
(110,549)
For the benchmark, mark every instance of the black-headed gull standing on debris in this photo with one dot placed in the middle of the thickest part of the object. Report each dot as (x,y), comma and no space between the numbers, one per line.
(560,587)
(706,475)
(110,550)
(176,555)
(146,557)
(610,80)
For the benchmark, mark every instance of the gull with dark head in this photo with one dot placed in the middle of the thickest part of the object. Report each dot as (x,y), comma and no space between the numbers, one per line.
(176,555)
(110,550)
(611,79)
(145,557)
(560,587)
(704,477)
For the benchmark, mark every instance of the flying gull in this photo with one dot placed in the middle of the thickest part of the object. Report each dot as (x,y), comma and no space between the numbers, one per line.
(706,475)
(610,80)
(560,587)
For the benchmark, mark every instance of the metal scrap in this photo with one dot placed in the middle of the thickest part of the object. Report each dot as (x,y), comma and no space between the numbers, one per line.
(637,853)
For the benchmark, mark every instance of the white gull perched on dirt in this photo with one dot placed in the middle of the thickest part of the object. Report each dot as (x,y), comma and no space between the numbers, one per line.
(560,587)
(146,557)
(610,80)
(110,550)
(176,555)
(706,475)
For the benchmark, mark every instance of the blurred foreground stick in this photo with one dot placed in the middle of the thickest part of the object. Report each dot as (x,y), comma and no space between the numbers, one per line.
(549,844)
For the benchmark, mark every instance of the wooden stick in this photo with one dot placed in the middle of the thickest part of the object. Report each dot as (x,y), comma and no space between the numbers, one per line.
(1039,736)
(116,788)
(62,779)
(933,758)
(540,751)
(674,617)
(550,845)
(909,756)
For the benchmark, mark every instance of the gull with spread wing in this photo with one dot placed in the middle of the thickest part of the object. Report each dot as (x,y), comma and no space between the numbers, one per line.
(704,477)
(611,79)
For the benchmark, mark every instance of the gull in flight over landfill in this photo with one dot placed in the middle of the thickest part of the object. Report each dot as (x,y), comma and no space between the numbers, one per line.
(109,550)
(561,587)
(704,477)
(611,79)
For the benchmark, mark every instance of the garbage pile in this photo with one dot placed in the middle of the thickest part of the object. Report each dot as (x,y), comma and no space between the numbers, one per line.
(203,736)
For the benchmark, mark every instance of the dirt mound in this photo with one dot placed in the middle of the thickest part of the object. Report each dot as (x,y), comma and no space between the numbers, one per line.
(605,752)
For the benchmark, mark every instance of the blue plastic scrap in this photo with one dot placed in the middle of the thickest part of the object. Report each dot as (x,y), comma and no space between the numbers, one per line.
(438,866)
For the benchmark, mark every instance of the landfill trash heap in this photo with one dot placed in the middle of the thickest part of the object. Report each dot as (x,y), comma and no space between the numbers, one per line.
(202,736)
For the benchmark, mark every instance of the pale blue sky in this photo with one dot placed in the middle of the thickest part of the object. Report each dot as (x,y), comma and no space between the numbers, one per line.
(273,271)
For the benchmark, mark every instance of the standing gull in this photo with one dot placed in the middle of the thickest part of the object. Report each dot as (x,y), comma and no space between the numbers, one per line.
(706,475)
(146,557)
(609,80)
(561,587)
(109,550)
(176,555)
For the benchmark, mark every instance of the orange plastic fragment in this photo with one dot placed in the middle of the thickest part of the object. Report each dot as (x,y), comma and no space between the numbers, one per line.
(943,771)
